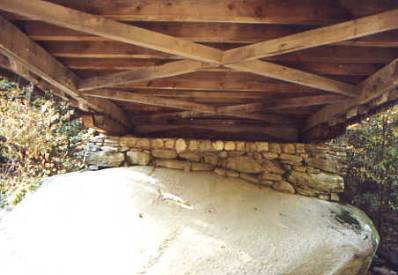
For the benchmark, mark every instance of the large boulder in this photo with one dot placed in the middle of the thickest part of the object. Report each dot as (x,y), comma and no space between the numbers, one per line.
(146,220)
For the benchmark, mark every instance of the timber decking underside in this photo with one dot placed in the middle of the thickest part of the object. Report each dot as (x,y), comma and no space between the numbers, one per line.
(251,70)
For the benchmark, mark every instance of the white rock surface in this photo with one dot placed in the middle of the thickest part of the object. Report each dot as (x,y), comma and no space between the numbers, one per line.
(145,221)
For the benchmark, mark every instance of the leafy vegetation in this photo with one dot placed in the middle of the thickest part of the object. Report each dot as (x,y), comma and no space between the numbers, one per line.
(372,177)
(373,162)
(38,137)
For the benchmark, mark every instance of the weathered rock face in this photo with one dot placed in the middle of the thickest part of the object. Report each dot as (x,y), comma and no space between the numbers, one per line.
(106,158)
(146,220)
(313,170)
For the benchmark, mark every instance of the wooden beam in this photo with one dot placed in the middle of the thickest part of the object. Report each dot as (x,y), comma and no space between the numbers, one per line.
(283,133)
(240,11)
(202,33)
(260,87)
(123,64)
(327,113)
(314,38)
(85,22)
(102,124)
(197,32)
(381,82)
(18,69)
(285,103)
(326,54)
(209,95)
(184,105)
(141,74)
(269,118)
(155,101)
(295,76)
(17,46)
(304,101)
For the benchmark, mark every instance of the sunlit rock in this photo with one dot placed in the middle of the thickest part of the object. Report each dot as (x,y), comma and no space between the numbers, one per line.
(147,220)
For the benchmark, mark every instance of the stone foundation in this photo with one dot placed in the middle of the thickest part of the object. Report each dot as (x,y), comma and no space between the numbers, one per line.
(314,170)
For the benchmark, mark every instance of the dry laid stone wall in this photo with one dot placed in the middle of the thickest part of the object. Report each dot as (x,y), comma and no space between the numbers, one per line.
(314,170)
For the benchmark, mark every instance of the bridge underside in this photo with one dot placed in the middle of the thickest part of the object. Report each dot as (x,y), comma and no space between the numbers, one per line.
(250,70)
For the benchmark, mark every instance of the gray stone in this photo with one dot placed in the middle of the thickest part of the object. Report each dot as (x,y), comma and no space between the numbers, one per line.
(157,143)
(128,141)
(244,164)
(192,156)
(138,158)
(143,143)
(275,148)
(284,186)
(233,174)
(249,177)
(109,149)
(262,146)
(328,165)
(197,166)
(105,159)
(300,148)
(218,145)
(220,172)
(288,148)
(211,159)
(206,146)
(169,143)
(174,164)
(229,146)
(272,177)
(273,167)
(240,146)
(181,145)
(139,220)
(194,145)
(291,159)
(270,156)
(323,182)
(164,154)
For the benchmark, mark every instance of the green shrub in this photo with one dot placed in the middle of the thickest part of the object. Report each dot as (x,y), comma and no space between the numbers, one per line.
(39,137)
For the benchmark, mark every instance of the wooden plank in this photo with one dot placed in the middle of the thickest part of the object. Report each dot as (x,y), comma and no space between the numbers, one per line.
(85,22)
(220,85)
(269,118)
(285,103)
(283,133)
(202,33)
(304,101)
(295,76)
(314,38)
(102,124)
(141,74)
(239,11)
(19,70)
(327,113)
(19,47)
(197,32)
(383,81)
(325,54)
(106,49)
(121,64)
(179,104)
(155,101)
(202,94)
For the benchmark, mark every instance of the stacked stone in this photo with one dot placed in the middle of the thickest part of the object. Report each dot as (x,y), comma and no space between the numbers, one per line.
(306,169)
